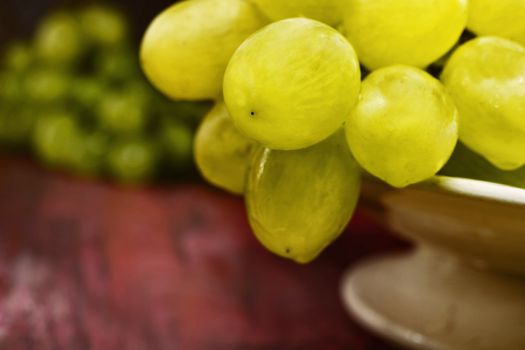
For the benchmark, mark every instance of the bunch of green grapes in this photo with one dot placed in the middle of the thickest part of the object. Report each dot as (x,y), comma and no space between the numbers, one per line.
(308,93)
(75,96)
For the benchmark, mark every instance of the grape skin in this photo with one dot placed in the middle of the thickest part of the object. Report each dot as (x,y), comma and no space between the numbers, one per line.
(291,84)
(410,32)
(299,201)
(187,47)
(404,127)
(327,11)
(486,78)
(222,154)
(504,18)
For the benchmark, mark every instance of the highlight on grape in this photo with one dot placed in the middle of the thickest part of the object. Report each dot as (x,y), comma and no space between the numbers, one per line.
(310,96)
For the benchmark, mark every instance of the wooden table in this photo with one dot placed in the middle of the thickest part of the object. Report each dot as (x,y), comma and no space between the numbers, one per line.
(86,265)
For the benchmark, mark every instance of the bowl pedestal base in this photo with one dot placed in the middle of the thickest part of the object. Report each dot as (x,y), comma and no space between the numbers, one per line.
(427,299)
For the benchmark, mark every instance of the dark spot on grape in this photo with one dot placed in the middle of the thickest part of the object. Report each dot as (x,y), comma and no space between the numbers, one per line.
(252,113)
(288,250)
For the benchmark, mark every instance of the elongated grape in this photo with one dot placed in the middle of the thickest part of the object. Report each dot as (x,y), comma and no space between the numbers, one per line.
(327,11)
(404,127)
(187,47)
(299,201)
(222,154)
(291,84)
(411,32)
(504,18)
(468,164)
(486,78)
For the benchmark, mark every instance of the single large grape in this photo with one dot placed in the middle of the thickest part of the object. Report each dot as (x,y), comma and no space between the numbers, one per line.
(505,18)
(291,84)
(299,201)
(327,11)
(186,48)
(404,127)
(222,154)
(411,32)
(486,78)
(468,164)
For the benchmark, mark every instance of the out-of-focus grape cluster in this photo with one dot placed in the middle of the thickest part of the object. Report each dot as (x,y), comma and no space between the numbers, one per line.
(308,92)
(74,95)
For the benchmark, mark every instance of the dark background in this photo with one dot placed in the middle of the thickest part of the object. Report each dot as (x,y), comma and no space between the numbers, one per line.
(18,18)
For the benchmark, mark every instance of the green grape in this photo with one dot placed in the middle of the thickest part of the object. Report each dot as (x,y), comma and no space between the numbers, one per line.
(299,201)
(89,153)
(467,164)
(404,127)
(103,25)
(504,18)
(327,11)
(187,47)
(486,78)
(54,137)
(11,87)
(16,125)
(18,56)
(177,139)
(132,160)
(291,84)
(222,154)
(117,64)
(87,91)
(124,112)
(47,85)
(59,39)
(411,32)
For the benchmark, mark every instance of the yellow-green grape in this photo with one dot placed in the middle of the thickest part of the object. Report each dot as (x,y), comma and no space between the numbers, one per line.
(187,47)
(59,39)
(292,84)
(468,164)
(124,112)
(11,87)
(132,160)
(177,139)
(299,201)
(103,25)
(404,127)
(16,125)
(504,18)
(410,32)
(54,137)
(18,56)
(47,85)
(486,78)
(222,154)
(327,11)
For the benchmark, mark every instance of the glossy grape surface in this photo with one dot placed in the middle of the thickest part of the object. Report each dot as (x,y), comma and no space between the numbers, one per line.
(187,47)
(292,84)
(486,78)
(410,32)
(404,127)
(299,201)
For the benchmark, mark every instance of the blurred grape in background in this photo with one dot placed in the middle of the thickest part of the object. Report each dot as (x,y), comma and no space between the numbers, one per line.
(73,95)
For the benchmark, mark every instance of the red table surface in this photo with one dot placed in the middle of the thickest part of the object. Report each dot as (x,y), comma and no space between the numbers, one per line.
(86,265)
